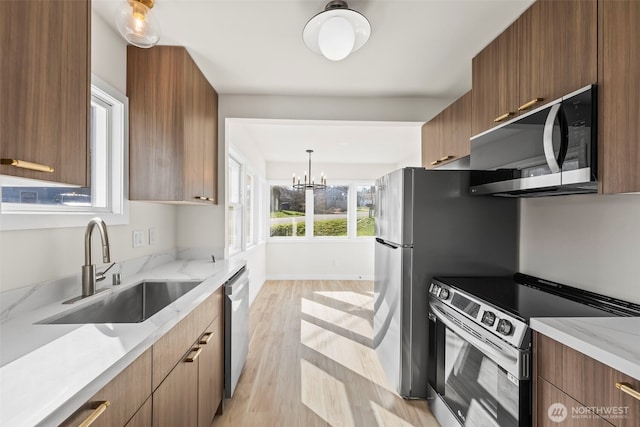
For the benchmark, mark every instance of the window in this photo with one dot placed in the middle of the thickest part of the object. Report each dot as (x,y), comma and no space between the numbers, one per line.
(59,206)
(332,212)
(365,216)
(330,209)
(245,207)
(235,206)
(288,215)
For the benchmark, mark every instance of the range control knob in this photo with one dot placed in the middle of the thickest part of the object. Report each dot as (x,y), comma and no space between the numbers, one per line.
(444,293)
(434,289)
(488,318)
(505,327)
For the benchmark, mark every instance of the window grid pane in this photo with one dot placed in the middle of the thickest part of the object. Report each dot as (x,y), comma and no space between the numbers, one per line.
(365,222)
(330,208)
(287,212)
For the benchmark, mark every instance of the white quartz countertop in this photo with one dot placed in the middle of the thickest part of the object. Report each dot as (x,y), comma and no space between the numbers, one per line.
(614,341)
(53,369)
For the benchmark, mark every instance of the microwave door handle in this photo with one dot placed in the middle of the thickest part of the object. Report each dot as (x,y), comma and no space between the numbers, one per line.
(547,139)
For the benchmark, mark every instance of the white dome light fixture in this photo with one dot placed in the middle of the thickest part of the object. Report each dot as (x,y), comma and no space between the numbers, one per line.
(137,24)
(336,31)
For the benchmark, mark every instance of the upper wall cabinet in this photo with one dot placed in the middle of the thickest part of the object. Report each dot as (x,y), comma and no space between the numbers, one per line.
(173,127)
(445,138)
(618,90)
(45,85)
(548,52)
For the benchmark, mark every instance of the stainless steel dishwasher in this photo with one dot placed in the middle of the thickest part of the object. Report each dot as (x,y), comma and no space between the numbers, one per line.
(236,328)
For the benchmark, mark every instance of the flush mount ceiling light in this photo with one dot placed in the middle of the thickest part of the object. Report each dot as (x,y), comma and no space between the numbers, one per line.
(137,24)
(309,180)
(336,31)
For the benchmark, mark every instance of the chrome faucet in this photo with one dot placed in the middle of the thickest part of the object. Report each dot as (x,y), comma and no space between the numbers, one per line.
(89,269)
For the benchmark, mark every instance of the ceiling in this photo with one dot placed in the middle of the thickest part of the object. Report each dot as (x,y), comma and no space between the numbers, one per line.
(418,48)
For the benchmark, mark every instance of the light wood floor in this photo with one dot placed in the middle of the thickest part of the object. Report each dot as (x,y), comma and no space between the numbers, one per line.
(311,362)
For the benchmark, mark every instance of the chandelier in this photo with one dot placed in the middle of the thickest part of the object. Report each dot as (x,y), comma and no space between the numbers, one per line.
(309,182)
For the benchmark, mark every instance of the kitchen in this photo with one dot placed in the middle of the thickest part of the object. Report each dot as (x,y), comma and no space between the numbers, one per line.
(594,250)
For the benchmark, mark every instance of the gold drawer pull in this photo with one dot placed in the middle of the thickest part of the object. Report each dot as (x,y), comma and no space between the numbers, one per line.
(435,162)
(200,198)
(504,116)
(26,165)
(96,413)
(626,388)
(530,104)
(445,158)
(196,353)
(204,339)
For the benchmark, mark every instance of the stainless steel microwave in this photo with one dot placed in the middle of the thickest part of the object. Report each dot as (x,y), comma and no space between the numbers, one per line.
(548,151)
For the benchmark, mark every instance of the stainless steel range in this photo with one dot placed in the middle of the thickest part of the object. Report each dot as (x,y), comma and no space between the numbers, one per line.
(480,349)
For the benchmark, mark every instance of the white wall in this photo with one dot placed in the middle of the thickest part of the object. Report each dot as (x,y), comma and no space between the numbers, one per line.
(34,256)
(587,241)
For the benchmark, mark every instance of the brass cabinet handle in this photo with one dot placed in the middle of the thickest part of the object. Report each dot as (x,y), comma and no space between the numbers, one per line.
(435,162)
(530,104)
(445,158)
(200,197)
(196,353)
(204,339)
(504,116)
(26,165)
(626,388)
(95,414)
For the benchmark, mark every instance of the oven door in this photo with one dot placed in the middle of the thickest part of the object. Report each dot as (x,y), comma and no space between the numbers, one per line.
(472,383)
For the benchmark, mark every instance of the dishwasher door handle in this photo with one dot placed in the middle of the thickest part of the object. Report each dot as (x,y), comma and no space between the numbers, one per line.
(237,285)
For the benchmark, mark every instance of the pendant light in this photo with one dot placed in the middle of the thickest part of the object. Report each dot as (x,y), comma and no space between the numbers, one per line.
(137,24)
(336,31)
(309,182)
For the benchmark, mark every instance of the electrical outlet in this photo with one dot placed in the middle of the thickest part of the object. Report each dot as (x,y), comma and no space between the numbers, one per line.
(152,236)
(138,238)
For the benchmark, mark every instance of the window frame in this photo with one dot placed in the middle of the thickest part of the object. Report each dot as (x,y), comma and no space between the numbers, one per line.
(117,212)
(309,236)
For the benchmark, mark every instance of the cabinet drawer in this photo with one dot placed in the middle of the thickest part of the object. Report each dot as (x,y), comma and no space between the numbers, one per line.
(556,408)
(586,380)
(125,394)
(170,349)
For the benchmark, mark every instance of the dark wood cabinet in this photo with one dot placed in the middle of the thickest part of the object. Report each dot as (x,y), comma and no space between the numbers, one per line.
(619,103)
(125,394)
(548,52)
(173,127)
(445,138)
(587,382)
(45,77)
(558,50)
(188,368)
(494,80)
(175,402)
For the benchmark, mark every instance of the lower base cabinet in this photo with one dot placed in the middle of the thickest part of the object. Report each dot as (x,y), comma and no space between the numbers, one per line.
(175,402)
(117,402)
(567,380)
(161,388)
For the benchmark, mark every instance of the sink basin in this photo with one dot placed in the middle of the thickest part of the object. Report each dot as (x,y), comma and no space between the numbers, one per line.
(132,305)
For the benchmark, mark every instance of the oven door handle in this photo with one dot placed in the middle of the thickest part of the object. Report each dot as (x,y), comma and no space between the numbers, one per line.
(505,360)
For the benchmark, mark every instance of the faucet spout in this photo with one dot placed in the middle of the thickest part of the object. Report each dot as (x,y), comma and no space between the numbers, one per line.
(89,269)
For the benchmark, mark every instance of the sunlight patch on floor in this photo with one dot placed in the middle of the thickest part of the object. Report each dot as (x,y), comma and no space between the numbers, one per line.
(337,317)
(349,297)
(350,354)
(325,395)
(384,417)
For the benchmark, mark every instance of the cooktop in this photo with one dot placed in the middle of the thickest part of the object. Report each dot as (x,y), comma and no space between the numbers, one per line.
(525,296)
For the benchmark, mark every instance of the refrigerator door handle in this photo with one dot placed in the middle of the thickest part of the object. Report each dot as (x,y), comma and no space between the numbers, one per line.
(382,242)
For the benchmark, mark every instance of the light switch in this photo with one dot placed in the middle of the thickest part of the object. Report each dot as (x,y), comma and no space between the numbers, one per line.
(138,238)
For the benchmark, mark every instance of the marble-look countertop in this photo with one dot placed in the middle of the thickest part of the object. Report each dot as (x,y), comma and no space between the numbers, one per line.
(614,341)
(51,370)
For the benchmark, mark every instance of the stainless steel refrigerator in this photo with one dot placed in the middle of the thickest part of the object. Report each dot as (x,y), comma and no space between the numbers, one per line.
(427,224)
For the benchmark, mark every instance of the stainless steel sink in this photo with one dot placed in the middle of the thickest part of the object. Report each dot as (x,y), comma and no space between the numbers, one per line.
(132,305)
